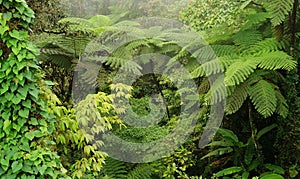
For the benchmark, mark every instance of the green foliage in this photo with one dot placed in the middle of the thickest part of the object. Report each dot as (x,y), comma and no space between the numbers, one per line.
(279,10)
(114,169)
(253,61)
(76,129)
(46,16)
(245,156)
(26,147)
(206,14)
(174,165)
(248,65)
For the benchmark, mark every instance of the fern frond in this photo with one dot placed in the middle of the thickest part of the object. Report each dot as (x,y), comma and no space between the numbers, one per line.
(205,53)
(282,106)
(114,169)
(209,68)
(278,10)
(54,51)
(247,38)
(266,45)
(60,60)
(114,62)
(74,45)
(99,21)
(239,71)
(224,50)
(256,19)
(236,100)
(142,171)
(276,60)
(217,92)
(263,96)
(132,67)
(132,45)
(169,48)
(74,20)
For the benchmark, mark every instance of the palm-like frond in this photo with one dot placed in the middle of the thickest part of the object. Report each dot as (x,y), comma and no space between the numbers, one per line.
(276,60)
(264,46)
(256,19)
(263,96)
(282,106)
(236,100)
(239,71)
(247,38)
(278,10)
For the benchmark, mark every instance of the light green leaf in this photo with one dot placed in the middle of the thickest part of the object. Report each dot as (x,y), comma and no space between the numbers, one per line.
(16,166)
(30,135)
(272,176)
(24,113)
(229,171)
(3,29)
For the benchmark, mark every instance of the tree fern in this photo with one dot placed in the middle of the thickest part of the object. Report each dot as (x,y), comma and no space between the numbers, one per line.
(279,9)
(236,100)
(263,96)
(224,50)
(247,38)
(266,45)
(217,92)
(276,60)
(256,19)
(239,71)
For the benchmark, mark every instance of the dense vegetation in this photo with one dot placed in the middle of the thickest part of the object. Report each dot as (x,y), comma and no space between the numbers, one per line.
(75,74)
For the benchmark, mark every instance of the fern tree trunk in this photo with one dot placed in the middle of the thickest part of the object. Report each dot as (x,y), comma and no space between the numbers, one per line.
(289,135)
(25,125)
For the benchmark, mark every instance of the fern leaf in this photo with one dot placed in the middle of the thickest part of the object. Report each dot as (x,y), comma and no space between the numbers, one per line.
(266,45)
(74,20)
(239,71)
(263,96)
(276,60)
(247,38)
(236,100)
(115,62)
(60,60)
(279,9)
(224,50)
(217,92)
(142,171)
(282,106)
(74,45)
(114,169)
(208,68)
(99,21)
(256,19)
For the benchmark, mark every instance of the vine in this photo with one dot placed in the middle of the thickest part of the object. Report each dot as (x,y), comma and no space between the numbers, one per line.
(25,124)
